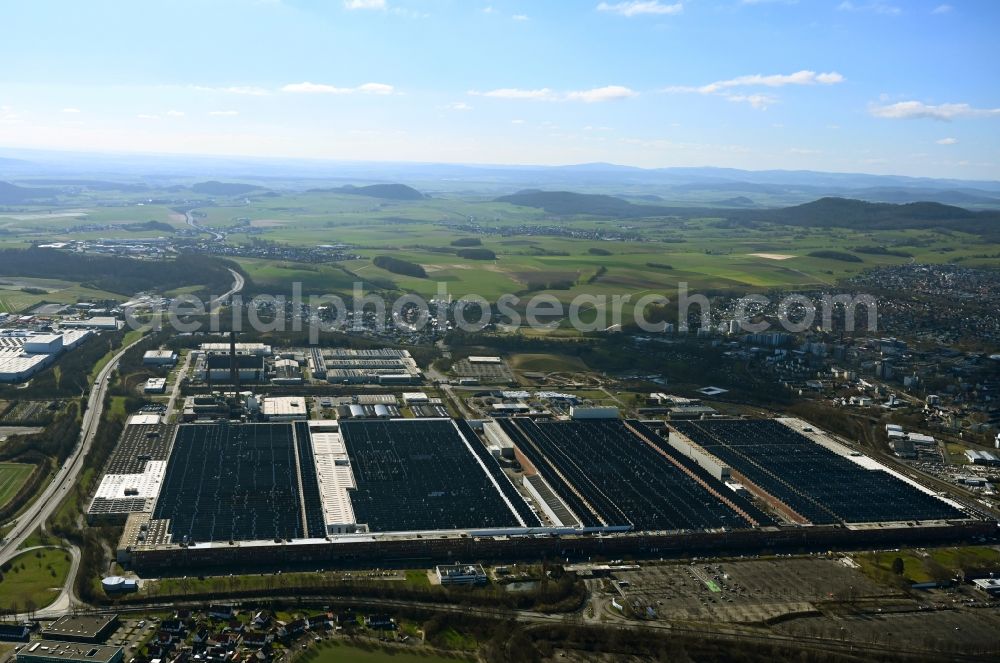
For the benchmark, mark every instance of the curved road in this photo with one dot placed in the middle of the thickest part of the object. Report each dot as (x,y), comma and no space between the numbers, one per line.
(48,501)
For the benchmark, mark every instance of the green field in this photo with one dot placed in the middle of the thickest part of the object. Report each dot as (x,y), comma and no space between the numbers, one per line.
(334,652)
(35,578)
(535,252)
(13,299)
(917,563)
(12,477)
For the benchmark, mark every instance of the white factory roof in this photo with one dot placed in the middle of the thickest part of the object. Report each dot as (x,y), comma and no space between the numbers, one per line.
(283,406)
(159,354)
(414,397)
(143,419)
(16,362)
(147,484)
(43,338)
(475,359)
(333,470)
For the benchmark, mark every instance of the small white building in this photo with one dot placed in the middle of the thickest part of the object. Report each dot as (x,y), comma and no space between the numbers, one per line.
(990,586)
(159,358)
(414,397)
(284,408)
(461,574)
(485,360)
(155,386)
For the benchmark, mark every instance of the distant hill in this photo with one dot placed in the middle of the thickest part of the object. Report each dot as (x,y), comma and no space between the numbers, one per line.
(385,191)
(12,194)
(96,185)
(213,188)
(860,214)
(570,203)
(737,201)
(149,226)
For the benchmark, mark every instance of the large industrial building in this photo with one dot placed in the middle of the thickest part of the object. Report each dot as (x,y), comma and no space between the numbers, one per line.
(358,490)
(350,366)
(23,354)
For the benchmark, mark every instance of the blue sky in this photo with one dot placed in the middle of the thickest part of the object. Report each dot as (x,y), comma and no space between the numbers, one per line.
(884,86)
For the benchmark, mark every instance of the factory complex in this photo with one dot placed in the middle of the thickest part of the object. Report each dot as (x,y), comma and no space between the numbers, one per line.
(295,490)
(24,353)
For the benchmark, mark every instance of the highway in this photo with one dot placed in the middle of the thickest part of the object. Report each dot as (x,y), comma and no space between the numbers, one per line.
(48,501)
(189,218)
(238,283)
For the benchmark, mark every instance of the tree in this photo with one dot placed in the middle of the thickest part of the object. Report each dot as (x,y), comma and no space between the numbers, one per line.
(898,566)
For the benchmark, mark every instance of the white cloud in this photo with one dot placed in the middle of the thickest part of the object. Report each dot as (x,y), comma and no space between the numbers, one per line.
(758,101)
(607,93)
(246,89)
(71,110)
(803,77)
(320,88)
(517,93)
(375,88)
(873,7)
(223,113)
(8,116)
(235,89)
(942,9)
(520,17)
(488,10)
(147,116)
(947,141)
(598,94)
(641,7)
(517,121)
(803,151)
(364,4)
(905,110)
(458,106)
(175,113)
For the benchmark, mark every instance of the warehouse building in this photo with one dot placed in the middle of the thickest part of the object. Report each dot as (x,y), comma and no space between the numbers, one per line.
(256,349)
(593,412)
(351,366)
(82,628)
(50,651)
(23,354)
(217,367)
(104,323)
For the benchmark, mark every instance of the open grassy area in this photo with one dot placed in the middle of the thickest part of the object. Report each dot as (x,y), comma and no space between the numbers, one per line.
(12,477)
(547,363)
(332,651)
(34,578)
(919,564)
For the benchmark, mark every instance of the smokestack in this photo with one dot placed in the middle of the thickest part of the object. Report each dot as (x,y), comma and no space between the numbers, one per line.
(234,371)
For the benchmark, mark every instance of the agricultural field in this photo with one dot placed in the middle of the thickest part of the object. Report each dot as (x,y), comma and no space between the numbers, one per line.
(12,477)
(19,294)
(536,252)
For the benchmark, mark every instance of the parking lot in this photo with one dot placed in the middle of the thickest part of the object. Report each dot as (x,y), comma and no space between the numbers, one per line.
(742,591)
